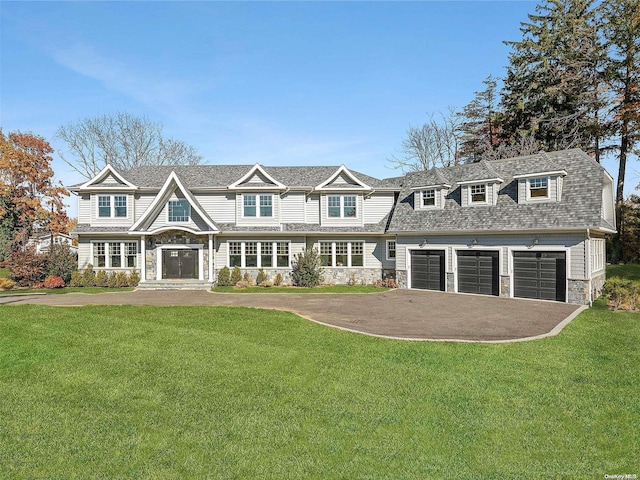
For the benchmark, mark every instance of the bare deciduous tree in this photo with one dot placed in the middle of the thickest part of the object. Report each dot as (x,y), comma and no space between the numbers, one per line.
(124,141)
(434,144)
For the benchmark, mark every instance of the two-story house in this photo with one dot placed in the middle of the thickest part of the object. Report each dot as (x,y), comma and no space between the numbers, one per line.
(523,227)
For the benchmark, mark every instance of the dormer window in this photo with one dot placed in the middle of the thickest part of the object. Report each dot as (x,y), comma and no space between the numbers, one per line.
(342,206)
(478,193)
(428,198)
(179,211)
(539,187)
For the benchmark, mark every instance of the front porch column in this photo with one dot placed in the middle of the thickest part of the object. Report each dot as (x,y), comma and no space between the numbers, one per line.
(143,252)
(211,258)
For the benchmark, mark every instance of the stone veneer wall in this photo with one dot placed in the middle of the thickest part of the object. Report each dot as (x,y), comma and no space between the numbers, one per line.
(597,283)
(401,278)
(578,291)
(505,286)
(342,276)
(451,282)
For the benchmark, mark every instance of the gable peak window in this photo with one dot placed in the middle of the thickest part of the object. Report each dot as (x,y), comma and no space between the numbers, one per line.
(257,205)
(539,187)
(478,193)
(179,211)
(342,206)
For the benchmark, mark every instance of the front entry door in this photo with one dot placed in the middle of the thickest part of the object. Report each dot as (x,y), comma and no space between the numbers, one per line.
(180,263)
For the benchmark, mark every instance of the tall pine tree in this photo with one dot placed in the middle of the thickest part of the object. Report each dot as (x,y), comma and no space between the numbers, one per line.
(478,131)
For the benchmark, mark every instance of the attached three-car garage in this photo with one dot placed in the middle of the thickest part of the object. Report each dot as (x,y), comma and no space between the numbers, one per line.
(478,272)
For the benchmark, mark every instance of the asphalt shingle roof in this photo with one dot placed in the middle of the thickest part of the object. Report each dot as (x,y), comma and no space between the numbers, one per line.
(580,205)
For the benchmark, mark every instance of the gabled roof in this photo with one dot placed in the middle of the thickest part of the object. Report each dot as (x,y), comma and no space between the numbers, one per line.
(579,208)
(172,184)
(104,173)
(264,180)
(342,178)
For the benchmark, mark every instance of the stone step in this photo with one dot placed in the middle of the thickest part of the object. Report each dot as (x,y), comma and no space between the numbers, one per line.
(175,285)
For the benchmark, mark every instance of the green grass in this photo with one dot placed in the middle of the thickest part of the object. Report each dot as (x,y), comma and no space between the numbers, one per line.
(229,392)
(320,289)
(59,291)
(629,272)
(4,273)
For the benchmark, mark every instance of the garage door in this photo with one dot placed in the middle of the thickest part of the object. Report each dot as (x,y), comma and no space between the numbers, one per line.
(427,269)
(540,275)
(478,272)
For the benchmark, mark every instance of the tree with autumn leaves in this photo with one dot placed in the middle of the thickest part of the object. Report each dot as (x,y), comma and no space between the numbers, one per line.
(29,197)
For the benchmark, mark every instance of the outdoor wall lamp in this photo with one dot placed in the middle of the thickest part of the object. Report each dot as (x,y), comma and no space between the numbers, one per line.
(535,240)
(424,242)
(474,241)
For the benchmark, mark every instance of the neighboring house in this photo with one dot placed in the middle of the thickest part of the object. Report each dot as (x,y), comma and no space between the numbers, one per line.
(523,227)
(42,242)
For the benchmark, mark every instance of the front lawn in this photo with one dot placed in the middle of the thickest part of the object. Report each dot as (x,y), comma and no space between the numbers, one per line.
(229,392)
(320,289)
(4,272)
(58,291)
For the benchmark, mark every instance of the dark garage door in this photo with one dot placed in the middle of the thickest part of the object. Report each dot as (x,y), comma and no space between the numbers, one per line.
(540,275)
(427,269)
(478,272)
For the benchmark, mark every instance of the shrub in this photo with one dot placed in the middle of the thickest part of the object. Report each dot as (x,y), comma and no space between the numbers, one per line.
(76,279)
(53,281)
(236,276)
(261,278)
(27,267)
(277,281)
(6,284)
(62,262)
(88,277)
(307,271)
(134,278)
(248,279)
(622,294)
(101,278)
(352,282)
(112,280)
(243,284)
(224,277)
(122,279)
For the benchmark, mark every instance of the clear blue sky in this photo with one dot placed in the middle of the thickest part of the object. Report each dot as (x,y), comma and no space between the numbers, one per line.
(289,83)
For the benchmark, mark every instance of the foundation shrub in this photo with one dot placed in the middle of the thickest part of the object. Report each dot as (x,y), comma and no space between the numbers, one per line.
(224,277)
(236,276)
(88,277)
(307,271)
(134,278)
(53,281)
(261,278)
(277,280)
(101,279)
(622,294)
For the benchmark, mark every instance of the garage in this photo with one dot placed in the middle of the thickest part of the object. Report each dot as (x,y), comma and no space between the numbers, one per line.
(427,269)
(540,275)
(478,272)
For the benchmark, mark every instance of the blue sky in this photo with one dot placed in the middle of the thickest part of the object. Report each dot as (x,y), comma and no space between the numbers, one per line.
(288,83)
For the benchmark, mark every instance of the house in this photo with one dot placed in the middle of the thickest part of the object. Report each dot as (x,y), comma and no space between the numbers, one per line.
(529,227)
(42,242)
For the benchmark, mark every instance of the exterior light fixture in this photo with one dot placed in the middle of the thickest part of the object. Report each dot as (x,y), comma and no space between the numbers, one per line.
(424,242)
(535,240)
(474,241)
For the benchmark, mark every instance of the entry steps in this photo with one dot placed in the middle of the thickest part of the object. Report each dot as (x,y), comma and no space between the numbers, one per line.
(175,285)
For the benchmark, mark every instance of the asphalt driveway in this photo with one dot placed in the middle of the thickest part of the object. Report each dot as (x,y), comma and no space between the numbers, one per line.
(409,314)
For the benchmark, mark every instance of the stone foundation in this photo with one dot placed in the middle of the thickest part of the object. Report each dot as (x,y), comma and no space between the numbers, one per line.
(578,292)
(401,278)
(505,286)
(270,272)
(356,276)
(596,285)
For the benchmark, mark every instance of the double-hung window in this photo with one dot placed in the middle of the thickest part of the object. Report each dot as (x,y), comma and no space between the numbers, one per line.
(391,249)
(179,211)
(428,198)
(342,254)
(538,187)
(115,254)
(342,206)
(259,254)
(112,206)
(478,193)
(257,205)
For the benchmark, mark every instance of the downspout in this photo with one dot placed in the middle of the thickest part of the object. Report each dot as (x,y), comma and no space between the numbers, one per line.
(588,264)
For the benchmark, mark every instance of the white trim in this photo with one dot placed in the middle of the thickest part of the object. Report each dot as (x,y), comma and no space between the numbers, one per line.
(429,187)
(257,168)
(169,221)
(143,254)
(470,196)
(333,252)
(342,196)
(483,180)
(345,170)
(274,253)
(210,275)
(103,173)
(554,173)
(257,205)
(123,255)
(166,228)
(387,250)
(527,187)
(112,206)
(420,193)
(179,246)
(539,248)
(159,198)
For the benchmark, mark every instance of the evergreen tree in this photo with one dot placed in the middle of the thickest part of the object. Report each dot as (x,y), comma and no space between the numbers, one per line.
(478,132)
(554,84)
